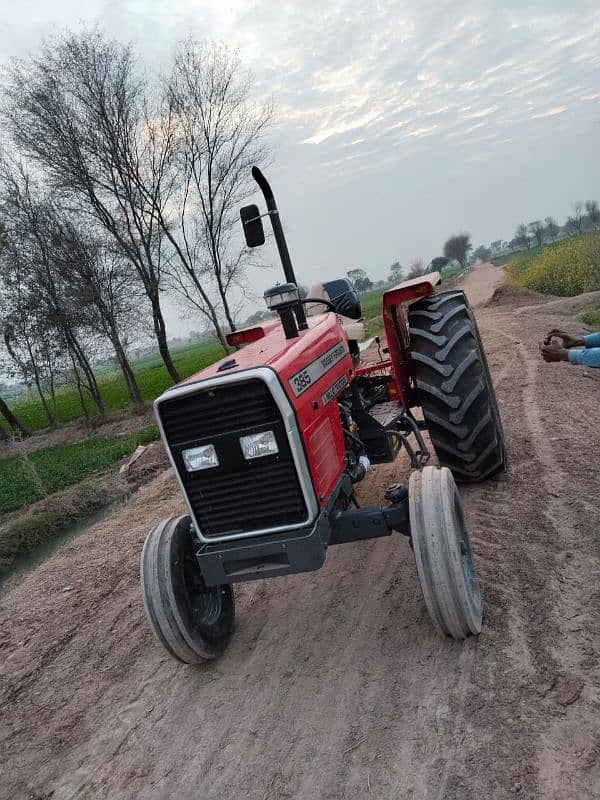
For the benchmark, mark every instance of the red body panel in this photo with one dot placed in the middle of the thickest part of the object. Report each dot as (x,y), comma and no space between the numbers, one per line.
(317,413)
(396,332)
(318,417)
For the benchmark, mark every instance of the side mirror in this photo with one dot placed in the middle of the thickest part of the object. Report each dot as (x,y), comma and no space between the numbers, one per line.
(254,232)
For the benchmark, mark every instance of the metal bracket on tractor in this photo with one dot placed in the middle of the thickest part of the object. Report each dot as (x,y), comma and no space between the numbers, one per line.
(268,448)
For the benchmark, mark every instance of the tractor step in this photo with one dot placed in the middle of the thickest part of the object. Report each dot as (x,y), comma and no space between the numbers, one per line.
(386,413)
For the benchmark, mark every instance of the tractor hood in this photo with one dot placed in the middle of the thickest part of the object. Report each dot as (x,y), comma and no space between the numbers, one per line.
(285,356)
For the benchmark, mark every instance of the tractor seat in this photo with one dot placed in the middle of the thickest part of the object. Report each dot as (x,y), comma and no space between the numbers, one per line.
(346,300)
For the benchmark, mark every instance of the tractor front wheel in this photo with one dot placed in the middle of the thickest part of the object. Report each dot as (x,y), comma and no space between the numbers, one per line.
(455,387)
(194,623)
(443,553)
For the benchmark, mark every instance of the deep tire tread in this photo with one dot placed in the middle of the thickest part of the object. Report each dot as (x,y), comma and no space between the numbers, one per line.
(455,387)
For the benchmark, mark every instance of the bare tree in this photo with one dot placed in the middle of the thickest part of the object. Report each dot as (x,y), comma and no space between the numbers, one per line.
(457,247)
(97,279)
(576,222)
(481,253)
(438,264)
(26,341)
(417,268)
(79,110)
(28,258)
(396,273)
(536,228)
(552,228)
(593,213)
(14,423)
(220,135)
(522,238)
(359,279)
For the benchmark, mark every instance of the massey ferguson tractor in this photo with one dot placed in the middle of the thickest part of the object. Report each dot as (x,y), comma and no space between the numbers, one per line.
(269,443)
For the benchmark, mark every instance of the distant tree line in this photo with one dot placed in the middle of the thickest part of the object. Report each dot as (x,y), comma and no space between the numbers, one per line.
(456,251)
(114,188)
(584,219)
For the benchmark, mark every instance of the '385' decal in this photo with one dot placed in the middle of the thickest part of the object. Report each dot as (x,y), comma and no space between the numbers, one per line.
(311,373)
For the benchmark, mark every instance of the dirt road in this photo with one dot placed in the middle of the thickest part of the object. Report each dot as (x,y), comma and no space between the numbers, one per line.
(335,685)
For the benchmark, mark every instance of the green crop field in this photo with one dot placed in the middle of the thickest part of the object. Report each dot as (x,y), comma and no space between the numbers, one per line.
(152,378)
(522,257)
(152,375)
(24,480)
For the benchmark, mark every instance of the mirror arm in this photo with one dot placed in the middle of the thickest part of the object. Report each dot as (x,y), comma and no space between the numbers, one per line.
(282,247)
(260,216)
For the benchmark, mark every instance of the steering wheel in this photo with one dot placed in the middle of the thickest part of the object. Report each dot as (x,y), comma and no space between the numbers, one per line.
(330,306)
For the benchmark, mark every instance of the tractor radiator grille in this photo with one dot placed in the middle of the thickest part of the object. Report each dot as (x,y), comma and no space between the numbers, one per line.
(238,496)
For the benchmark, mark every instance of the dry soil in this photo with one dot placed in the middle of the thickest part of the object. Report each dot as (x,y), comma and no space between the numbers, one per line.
(336,686)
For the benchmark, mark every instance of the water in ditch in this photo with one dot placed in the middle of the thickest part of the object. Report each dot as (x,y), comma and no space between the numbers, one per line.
(27,562)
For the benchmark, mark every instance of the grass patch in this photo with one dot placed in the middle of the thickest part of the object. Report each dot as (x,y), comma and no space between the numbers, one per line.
(564,269)
(152,376)
(591,317)
(25,479)
(371,302)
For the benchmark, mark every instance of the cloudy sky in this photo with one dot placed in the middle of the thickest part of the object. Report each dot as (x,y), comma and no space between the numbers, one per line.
(398,122)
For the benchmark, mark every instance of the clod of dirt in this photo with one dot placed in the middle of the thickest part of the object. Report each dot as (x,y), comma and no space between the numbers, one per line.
(568,689)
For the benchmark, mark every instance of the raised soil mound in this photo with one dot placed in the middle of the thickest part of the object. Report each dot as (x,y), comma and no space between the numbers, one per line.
(570,306)
(509,295)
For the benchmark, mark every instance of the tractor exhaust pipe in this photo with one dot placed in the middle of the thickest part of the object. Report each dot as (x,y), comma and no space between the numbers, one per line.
(282,247)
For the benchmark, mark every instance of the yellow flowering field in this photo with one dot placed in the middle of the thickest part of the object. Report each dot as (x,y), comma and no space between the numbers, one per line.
(565,269)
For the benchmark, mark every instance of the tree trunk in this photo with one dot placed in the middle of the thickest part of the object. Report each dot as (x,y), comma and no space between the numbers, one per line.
(14,423)
(92,384)
(36,377)
(221,336)
(160,332)
(128,373)
(223,293)
(49,414)
(79,390)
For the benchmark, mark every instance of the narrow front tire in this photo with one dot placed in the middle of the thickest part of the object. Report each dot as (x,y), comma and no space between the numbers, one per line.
(443,554)
(193,622)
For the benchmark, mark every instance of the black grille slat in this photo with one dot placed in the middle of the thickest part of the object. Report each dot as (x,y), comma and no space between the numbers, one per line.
(217,411)
(235,497)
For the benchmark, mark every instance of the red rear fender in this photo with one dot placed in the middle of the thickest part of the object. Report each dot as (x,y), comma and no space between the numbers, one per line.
(412,289)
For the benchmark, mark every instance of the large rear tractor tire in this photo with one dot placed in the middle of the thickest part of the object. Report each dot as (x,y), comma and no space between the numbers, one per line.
(443,554)
(455,387)
(194,623)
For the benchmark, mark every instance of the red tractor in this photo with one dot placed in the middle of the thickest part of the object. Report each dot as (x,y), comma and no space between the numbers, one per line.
(268,444)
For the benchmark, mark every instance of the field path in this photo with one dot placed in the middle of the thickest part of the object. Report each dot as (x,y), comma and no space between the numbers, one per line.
(335,685)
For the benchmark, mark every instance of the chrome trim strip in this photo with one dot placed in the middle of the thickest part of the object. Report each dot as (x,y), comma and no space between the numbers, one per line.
(287,413)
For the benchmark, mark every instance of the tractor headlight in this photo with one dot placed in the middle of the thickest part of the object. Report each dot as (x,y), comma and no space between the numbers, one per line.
(198,458)
(259,444)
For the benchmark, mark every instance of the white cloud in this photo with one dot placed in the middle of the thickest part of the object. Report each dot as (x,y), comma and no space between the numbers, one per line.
(396,97)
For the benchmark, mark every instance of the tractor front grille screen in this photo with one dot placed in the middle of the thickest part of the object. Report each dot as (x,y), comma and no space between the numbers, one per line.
(238,496)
